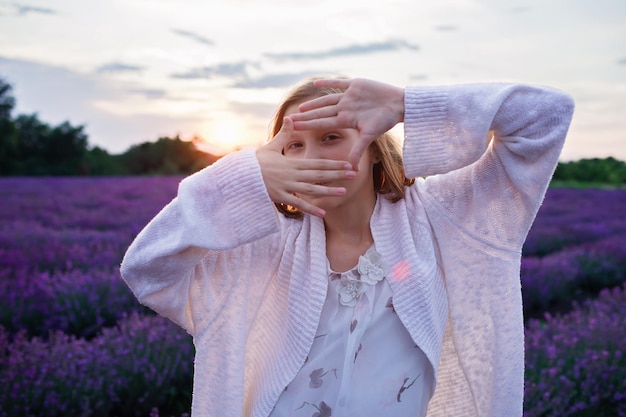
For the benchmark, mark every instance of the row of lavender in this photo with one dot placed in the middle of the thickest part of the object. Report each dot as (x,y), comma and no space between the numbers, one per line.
(576,342)
(74,341)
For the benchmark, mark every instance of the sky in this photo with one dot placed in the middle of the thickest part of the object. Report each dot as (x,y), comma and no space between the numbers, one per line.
(131,71)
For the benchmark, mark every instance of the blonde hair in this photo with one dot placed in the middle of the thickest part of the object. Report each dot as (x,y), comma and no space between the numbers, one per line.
(389,179)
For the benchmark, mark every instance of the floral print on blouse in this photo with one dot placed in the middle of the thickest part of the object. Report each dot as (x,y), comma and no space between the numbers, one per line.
(363,361)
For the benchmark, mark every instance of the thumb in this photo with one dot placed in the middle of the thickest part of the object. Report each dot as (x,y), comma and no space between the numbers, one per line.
(279,141)
(358,149)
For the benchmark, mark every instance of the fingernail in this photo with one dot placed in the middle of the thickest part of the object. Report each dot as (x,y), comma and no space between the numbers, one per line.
(350,174)
(340,191)
(347,165)
(320,213)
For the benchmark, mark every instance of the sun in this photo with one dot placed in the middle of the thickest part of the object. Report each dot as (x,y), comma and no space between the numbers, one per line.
(222,134)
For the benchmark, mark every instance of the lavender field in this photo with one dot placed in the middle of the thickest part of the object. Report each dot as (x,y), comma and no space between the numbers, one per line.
(74,341)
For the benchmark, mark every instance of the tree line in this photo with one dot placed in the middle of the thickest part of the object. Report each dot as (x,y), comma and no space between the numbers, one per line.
(608,171)
(29,146)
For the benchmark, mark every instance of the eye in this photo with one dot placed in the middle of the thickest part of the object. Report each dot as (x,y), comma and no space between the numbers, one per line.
(292,146)
(330,137)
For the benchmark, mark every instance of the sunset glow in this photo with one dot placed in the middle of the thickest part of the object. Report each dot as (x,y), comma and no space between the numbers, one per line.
(222,134)
(188,70)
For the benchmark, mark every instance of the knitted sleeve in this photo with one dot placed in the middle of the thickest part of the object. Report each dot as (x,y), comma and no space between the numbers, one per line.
(488,152)
(179,263)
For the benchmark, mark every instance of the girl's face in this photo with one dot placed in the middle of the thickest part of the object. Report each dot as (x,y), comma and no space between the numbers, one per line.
(334,144)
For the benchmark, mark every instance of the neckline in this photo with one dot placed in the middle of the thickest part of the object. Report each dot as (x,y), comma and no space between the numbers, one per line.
(366,255)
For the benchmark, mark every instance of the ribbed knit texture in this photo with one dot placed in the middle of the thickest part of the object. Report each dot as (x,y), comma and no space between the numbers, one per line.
(249,284)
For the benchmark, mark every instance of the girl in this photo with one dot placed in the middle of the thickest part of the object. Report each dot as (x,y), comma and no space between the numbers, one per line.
(318,279)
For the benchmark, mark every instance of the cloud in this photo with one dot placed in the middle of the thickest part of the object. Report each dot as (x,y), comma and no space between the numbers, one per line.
(262,111)
(239,72)
(274,80)
(193,36)
(622,61)
(235,70)
(392,45)
(117,67)
(520,9)
(150,93)
(23,10)
(54,92)
(418,77)
(58,94)
(446,28)
(36,83)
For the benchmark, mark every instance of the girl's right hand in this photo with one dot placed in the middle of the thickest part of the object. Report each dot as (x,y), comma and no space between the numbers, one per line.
(291,180)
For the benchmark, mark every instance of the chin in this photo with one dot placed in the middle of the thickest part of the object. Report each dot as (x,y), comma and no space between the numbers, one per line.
(325,203)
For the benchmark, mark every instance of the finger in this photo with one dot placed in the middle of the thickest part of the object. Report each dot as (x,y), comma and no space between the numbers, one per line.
(321,164)
(319,124)
(339,121)
(340,83)
(323,101)
(318,177)
(357,152)
(279,141)
(311,190)
(304,206)
(318,113)
(317,190)
(324,118)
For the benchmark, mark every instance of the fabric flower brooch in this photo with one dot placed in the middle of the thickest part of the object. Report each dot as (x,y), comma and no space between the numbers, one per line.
(354,283)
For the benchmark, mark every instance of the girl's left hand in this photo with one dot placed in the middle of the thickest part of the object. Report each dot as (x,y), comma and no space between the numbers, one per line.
(369,106)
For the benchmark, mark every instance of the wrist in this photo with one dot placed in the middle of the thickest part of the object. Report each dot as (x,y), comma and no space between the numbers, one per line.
(400,104)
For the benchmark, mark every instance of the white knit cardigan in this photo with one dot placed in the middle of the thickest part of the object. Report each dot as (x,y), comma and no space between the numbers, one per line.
(249,284)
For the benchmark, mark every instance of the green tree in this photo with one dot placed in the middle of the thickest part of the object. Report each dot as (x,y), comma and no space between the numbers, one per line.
(166,156)
(595,170)
(64,150)
(8,137)
(7,101)
(98,161)
(29,146)
(46,150)
(31,134)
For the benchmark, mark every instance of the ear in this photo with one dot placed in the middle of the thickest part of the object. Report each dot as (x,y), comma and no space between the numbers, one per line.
(375,156)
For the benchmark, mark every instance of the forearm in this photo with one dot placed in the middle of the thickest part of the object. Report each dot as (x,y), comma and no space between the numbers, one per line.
(447,128)
(491,186)
(218,209)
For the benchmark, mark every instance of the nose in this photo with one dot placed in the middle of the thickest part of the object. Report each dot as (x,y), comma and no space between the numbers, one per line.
(311,152)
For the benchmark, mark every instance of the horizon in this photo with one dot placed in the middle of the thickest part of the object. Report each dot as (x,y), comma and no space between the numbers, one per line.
(134,71)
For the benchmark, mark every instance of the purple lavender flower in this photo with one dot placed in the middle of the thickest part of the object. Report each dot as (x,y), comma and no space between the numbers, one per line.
(74,341)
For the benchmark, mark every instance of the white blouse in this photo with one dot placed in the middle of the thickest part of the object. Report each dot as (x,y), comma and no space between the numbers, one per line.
(363,362)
